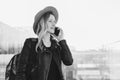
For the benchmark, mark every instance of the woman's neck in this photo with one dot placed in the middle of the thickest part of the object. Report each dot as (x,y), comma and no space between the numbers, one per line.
(46,40)
(46,37)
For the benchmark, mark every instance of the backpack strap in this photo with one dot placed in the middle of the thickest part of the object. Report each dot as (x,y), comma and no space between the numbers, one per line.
(9,74)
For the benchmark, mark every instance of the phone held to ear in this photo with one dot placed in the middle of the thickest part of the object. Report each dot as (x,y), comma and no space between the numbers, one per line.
(57,30)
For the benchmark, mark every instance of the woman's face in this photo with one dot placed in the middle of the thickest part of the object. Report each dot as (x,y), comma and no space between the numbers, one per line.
(51,23)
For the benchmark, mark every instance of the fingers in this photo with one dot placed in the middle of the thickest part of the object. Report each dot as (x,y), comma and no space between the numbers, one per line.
(61,31)
(60,37)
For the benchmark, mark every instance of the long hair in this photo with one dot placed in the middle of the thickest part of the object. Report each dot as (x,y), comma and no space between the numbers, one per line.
(41,30)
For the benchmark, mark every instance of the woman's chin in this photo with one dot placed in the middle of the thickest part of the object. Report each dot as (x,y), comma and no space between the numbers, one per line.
(52,32)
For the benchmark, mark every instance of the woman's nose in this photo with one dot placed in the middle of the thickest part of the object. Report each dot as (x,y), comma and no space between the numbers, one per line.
(53,23)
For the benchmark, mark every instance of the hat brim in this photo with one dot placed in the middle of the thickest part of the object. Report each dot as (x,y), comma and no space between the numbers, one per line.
(41,13)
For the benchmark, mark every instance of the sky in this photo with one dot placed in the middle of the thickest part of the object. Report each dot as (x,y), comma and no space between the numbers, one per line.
(87,24)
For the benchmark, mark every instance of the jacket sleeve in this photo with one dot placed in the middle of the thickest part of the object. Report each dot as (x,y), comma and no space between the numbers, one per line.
(65,52)
(23,60)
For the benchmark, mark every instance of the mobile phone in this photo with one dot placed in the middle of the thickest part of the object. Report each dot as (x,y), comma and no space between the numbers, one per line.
(57,30)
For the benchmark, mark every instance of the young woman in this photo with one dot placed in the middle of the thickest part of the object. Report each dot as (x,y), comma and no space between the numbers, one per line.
(41,57)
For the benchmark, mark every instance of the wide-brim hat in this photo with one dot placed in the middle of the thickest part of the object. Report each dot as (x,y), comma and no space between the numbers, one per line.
(38,16)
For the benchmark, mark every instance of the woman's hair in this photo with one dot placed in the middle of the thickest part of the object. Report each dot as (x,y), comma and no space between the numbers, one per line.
(41,29)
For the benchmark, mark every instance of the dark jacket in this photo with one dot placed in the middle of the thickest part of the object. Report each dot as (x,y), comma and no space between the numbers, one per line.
(35,65)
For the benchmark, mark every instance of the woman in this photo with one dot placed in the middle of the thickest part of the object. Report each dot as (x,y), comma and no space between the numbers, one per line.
(41,57)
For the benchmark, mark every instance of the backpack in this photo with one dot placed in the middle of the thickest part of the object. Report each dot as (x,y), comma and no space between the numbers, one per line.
(11,68)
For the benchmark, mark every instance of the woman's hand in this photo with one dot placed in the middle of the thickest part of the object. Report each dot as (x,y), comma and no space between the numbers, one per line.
(60,35)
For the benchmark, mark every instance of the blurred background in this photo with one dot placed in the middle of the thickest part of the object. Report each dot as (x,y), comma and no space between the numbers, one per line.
(91,28)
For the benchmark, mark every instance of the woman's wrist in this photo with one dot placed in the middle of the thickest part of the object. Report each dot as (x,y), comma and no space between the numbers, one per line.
(61,39)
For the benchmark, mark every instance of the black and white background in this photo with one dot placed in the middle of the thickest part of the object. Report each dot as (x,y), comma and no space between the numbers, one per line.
(91,28)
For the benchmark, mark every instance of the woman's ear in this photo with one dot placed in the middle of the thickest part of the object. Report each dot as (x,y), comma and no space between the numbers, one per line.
(42,22)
